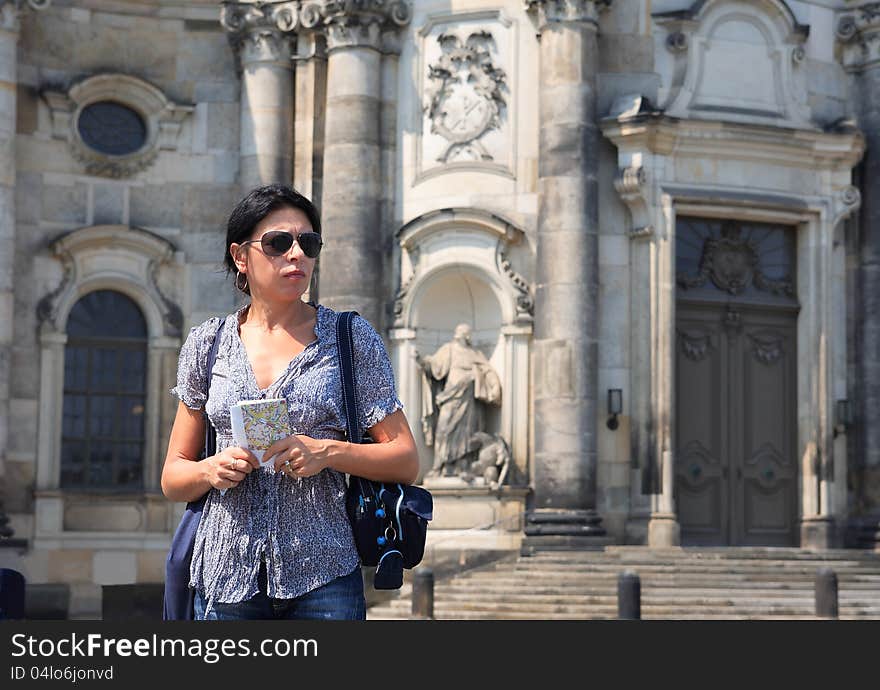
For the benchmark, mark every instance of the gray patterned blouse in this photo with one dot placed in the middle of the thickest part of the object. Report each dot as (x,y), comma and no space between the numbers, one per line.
(298,526)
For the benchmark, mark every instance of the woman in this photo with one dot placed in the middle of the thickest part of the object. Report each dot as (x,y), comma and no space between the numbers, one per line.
(277,542)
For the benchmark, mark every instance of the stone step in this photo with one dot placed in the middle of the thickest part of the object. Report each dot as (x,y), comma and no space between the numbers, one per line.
(675,579)
(707,553)
(724,584)
(525,594)
(657,610)
(728,570)
(681,599)
(668,580)
(491,615)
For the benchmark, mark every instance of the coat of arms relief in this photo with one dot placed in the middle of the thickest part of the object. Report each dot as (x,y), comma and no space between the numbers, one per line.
(465,96)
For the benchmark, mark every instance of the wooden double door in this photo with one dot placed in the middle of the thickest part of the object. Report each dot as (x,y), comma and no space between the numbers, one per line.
(736,479)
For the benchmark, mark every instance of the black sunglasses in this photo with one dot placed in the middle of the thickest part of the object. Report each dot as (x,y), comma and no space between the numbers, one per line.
(278,242)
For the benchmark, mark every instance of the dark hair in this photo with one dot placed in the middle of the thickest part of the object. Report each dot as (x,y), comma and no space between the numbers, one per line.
(256,205)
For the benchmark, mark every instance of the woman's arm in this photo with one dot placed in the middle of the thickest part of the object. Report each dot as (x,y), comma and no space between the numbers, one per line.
(184,476)
(392,458)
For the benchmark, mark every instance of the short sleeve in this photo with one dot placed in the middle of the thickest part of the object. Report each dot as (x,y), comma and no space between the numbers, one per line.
(192,365)
(374,376)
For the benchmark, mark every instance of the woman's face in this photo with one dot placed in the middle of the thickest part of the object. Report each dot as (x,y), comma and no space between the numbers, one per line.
(276,277)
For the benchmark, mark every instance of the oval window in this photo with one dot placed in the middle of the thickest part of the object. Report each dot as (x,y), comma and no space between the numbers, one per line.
(112,128)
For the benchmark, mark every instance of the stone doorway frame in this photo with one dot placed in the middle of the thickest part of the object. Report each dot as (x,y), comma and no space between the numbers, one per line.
(662,164)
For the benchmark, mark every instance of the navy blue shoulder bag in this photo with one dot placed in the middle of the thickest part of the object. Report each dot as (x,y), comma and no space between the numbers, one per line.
(389,521)
(179,596)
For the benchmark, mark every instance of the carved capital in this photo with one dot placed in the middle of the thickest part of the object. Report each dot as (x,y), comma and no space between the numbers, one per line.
(547,12)
(263,31)
(10,9)
(364,23)
(858,30)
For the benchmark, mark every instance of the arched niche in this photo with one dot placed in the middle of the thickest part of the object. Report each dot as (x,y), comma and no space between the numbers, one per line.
(456,267)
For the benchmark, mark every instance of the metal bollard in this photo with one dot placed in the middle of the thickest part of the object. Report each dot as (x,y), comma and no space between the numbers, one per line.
(826,593)
(423,594)
(629,594)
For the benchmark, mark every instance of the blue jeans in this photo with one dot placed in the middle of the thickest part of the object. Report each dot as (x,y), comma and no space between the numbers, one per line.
(339,599)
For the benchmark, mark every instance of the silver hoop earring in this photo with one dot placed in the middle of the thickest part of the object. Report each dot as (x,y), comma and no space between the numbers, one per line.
(238,275)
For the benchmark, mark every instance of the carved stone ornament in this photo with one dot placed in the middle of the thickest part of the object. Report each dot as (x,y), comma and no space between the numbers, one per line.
(677,41)
(859,32)
(766,348)
(47,307)
(161,117)
(172,315)
(695,346)
(525,302)
(9,11)
(731,263)
(555,11)
(465,98)
(400,298)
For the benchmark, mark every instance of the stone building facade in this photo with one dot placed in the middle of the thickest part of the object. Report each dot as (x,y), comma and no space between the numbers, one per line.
(662,205)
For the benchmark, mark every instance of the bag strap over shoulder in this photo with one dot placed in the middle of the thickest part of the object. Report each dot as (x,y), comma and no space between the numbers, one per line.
(345,346)
(210,431)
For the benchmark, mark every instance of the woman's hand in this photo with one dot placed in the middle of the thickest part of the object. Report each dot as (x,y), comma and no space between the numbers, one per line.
(299,456)
(226,469)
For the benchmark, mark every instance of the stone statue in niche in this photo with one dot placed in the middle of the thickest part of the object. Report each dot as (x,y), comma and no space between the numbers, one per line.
(457,382)
(493,459)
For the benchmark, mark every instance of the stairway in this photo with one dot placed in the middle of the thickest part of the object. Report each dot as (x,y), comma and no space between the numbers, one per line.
(686,583)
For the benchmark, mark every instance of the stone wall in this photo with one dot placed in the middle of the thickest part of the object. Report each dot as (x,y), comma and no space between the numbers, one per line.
(183,196)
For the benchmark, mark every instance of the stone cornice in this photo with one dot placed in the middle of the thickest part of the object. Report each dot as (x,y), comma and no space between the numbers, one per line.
(261,31)
(858,30)
(547,12)
(837,150)
(9,10)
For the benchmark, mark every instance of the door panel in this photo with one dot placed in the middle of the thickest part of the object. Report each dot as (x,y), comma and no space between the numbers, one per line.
(701,461)
(766,496)
(736,406)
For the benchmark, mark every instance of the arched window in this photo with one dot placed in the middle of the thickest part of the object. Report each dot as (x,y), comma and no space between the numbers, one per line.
(102,438)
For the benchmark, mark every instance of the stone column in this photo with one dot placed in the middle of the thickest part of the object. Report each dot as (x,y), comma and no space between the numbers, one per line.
(9,28)
(563,512)
(352,258)
(859,32)
(261,34)
(308,130)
